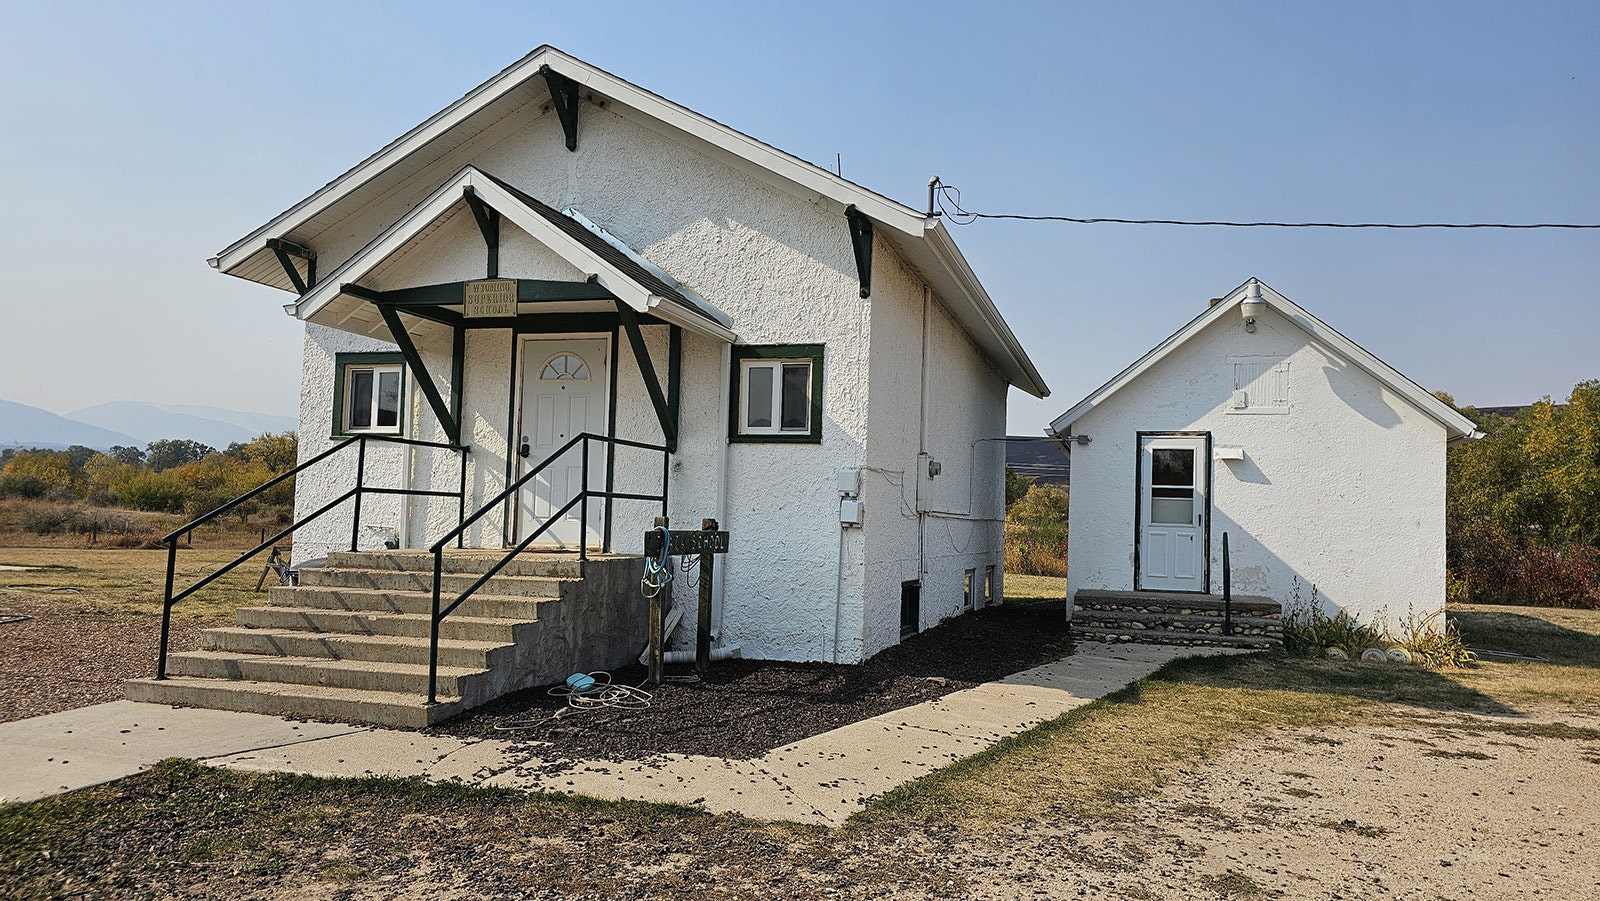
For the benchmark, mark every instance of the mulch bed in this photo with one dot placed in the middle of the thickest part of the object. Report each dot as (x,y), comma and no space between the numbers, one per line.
(744,708)
(65,656)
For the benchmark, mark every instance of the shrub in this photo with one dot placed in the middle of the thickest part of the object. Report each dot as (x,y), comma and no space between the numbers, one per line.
(1433,647)
(1490,565)
(23,485)
(49,520)
(1036,533)
(1310,632)
(153,491)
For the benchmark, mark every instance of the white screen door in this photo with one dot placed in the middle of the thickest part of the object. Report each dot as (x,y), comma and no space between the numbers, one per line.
(1174,500)
(564,386)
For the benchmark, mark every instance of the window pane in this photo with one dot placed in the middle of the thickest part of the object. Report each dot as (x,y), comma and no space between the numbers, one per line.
(1172,466)
(797,396)
(1172,506)
(359,413)
(758,397)
(388,398)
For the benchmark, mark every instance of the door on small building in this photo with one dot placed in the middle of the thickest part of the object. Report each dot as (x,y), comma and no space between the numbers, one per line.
(1173,546)
(565,382)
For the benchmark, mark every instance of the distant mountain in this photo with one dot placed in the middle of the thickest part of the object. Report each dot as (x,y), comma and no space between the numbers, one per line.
(256,423)
(1041,459)
(207,425)
(28,426)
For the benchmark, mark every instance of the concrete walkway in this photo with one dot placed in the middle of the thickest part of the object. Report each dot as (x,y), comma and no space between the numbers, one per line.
(822,779)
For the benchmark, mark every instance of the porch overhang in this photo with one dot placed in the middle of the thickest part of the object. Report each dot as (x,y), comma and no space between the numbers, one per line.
(613,276)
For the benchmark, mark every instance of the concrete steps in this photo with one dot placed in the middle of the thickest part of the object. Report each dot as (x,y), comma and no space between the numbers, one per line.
(1174,618)
(350,642)
(314,702)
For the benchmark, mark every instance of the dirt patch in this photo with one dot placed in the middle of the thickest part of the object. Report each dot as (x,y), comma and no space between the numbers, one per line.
(744,708)
(1382,815)
(66,655)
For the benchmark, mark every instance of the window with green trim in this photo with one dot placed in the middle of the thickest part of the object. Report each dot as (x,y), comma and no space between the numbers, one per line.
(369,394)
(777,393)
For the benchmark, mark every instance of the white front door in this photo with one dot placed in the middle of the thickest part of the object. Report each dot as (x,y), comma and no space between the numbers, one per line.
(1174,501)
(564,386)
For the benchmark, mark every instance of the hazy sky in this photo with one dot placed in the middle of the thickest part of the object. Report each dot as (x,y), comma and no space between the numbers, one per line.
(138,139)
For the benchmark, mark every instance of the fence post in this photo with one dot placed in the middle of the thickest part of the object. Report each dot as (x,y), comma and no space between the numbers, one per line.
(707,576)
(1227,589)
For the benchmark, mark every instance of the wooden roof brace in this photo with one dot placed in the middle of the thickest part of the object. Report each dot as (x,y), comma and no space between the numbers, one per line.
(666,412)
(861,243)
(564,97)
(488,223)
(283,250)
(448,419)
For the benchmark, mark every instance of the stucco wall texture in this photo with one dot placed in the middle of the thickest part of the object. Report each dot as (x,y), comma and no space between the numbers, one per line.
(781,267)
(1344,494)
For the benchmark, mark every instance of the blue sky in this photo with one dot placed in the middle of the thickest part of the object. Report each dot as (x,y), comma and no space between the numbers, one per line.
(137,140)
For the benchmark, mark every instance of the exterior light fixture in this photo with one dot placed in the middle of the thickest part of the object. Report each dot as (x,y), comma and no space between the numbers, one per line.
(1252,306)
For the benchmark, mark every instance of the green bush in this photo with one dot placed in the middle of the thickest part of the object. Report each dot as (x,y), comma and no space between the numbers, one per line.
(1036,533)
(153,491)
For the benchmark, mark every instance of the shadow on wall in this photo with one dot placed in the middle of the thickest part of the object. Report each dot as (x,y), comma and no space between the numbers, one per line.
(1350,390)
(1246,470)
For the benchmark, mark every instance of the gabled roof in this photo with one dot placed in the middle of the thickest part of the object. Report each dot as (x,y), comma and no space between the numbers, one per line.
(569,239)
(922,240)
(1456,425)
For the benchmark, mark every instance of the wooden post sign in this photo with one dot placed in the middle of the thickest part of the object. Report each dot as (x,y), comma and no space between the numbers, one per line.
(705,543)
(489,297)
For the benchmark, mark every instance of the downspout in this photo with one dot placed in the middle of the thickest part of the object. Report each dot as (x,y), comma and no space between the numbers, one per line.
(718,584)
(922,441)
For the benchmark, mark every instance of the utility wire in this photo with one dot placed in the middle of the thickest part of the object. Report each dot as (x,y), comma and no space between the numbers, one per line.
(948,199)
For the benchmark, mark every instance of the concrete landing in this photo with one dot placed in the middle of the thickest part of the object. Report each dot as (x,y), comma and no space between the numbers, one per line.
(48,755)
(822,779)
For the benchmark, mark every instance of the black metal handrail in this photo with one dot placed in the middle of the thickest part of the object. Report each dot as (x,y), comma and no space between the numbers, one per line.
(581,501)
(171,539)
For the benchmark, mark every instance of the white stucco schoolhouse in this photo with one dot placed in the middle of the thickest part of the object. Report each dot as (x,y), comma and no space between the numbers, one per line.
(561,252)
(1323,465)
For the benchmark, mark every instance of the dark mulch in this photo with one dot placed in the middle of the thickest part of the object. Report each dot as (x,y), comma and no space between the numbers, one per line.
(744,708)
(65,655)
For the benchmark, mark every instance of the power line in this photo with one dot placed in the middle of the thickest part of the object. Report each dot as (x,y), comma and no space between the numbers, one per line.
(948,199)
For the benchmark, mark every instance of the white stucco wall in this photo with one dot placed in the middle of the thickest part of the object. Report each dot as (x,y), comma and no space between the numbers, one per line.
(781,267)
(938,392)
(1345,492)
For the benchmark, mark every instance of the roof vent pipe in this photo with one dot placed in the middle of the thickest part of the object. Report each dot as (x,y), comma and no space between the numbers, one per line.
(1252,306)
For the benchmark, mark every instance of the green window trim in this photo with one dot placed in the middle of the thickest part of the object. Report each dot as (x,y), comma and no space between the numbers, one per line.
(344,361)
(743,353)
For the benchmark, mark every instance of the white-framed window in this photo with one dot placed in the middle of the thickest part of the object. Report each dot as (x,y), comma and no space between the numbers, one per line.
(969,591)
(991,587)
(371,394)
(778,395)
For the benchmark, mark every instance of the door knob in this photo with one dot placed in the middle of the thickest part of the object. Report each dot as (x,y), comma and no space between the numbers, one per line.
(522,450)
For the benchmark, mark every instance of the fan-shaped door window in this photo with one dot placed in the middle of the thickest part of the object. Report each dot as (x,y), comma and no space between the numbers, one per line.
(565,367)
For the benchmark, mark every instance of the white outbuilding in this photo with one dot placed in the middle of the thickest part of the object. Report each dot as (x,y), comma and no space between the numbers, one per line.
(1322,465)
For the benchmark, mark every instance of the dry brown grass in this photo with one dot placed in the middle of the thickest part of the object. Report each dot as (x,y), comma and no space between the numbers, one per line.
(1091,761)
(130,581)
(1019,587)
